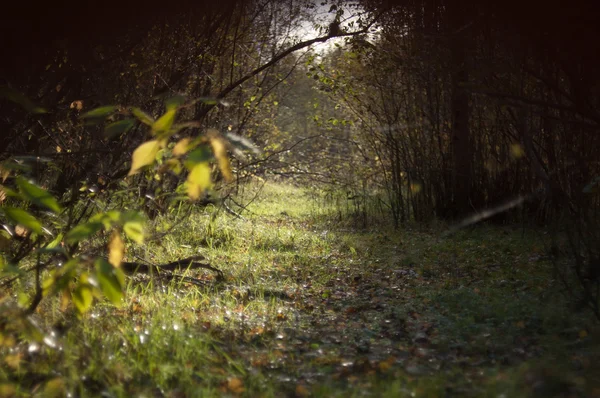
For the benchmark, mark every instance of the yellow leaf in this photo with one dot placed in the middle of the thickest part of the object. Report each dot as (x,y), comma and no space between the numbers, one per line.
(415,187)
(116,249)
(144,155)
(8,390)
(182,147)
(220,151)
(583,334)
(162,126)
(198,180)
(65,299)
(517,151)
(174,165)
(14,361)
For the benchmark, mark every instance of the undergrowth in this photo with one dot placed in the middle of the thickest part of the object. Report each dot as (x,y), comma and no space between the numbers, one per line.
(313,305)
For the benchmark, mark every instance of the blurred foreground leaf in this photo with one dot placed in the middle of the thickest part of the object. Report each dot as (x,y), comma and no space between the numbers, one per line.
(20,216)
(83,231)
(100,112)
(111,280)
(37,195)
(198,180)
(142,116)
(116,249)
(22,100)
(116,128)
(144,155)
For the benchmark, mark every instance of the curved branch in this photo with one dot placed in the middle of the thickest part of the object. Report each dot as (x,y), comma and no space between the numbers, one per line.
(288,51)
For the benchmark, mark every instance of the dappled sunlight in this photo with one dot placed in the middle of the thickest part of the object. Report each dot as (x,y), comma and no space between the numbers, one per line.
(305,307)
(300,198)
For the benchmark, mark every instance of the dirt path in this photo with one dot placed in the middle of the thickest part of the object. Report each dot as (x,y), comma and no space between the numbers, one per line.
(430,318)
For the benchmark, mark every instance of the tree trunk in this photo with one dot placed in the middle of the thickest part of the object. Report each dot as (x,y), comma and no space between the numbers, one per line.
(462,148)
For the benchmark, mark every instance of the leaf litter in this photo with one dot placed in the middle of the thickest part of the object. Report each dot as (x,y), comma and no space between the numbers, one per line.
(358,312)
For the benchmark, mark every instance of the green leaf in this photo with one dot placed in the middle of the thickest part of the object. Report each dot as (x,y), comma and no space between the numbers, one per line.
(116,128)
(10,193)
(198,180)
(31,330)
(63,277)
(132,215)
(107,219)
(134,231)
(142,116)
(22,100)
(111,280)
(20,216)
(176,128)
(55,243)
(9,269)
(16,165)
(209,100)
(199,155)
(162,126)
(175,102)
(37,195)
(54,246)
(100,112)
(83,231)
(144,155)
(83,297)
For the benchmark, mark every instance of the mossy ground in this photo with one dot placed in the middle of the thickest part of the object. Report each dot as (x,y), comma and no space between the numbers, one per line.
(312,306)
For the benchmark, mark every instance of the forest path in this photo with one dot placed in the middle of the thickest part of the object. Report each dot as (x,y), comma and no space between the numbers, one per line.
(412,312)
(313,303)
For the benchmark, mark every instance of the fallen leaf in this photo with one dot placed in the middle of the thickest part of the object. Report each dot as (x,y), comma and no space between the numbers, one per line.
(520,324)
(281,316)
(384,366)
(235,385)
(76,105)
(301,390)
(21,231)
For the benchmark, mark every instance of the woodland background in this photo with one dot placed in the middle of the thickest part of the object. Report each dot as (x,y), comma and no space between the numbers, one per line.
(414,112)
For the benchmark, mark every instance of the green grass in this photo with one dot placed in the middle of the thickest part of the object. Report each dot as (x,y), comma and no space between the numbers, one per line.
(313,306)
